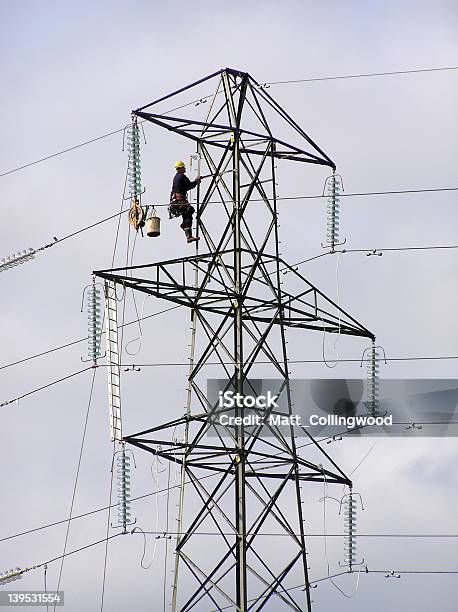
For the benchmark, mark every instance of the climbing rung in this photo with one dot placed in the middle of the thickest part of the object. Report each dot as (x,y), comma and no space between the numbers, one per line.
(113,366)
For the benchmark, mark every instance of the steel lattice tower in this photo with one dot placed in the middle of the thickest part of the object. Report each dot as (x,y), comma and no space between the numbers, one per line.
(241,303)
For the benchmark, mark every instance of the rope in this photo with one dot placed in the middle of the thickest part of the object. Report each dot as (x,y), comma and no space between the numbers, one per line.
(76,480)
(119,219)
(164,586)
(156,532)
(336,361)
(364,458)
(156,479)
(46,588)
(138,319)
(145,567)
(140,329)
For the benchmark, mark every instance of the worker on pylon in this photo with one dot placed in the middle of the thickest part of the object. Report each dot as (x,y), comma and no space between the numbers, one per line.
(179,204)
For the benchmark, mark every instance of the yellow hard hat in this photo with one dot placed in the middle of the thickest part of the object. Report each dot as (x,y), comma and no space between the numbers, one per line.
(179,164)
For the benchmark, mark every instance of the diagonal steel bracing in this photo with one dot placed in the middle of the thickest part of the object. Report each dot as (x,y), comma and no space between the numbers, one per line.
(243,297)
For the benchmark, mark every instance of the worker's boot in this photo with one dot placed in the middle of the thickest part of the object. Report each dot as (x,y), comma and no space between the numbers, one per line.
(189,236)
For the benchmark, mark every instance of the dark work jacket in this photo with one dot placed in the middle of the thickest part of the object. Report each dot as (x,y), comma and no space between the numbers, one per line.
(181,184)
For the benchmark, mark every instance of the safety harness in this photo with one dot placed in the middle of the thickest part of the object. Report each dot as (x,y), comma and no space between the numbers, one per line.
(178,204)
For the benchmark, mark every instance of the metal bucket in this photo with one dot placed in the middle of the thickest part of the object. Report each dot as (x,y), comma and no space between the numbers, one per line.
(153,226)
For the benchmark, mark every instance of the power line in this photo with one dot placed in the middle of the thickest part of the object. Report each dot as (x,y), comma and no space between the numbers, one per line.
(361,75)
(83,144)
(365,570)
(60,380)
(177,364)
(212,363)
(182,364)
(322,196)
(317,196)
(373,193)
(417,248)
(87,227)
(90,512)
(310,80)
(54,382)
(348,572)
(144,496)
(75,485)
(72,552)
(369,251)
(283,589)
(309,535)
(411,571)
(58,348)
(300,197)
(375,252)
(73,148)
(369,535)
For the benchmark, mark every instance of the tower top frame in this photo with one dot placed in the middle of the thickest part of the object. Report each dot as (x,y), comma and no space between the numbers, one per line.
(234,90)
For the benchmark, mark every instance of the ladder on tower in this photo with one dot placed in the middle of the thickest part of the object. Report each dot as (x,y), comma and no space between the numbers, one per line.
(113,365)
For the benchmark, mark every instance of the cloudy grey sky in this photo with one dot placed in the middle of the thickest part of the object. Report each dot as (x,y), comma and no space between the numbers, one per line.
(73,71)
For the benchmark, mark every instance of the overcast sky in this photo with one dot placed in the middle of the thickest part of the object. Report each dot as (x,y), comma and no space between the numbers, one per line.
(72,72)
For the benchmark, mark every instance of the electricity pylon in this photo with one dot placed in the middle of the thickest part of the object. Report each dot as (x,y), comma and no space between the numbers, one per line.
(243,298)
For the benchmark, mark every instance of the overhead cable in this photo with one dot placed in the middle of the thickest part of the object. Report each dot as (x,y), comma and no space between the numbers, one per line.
(58,348)
(311,535)
(54,382)
(12,261)
(72,552)
(263,85)
(361,75)
(212,363)
(83,144)
(334,437)
(387,574)
(75,485)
